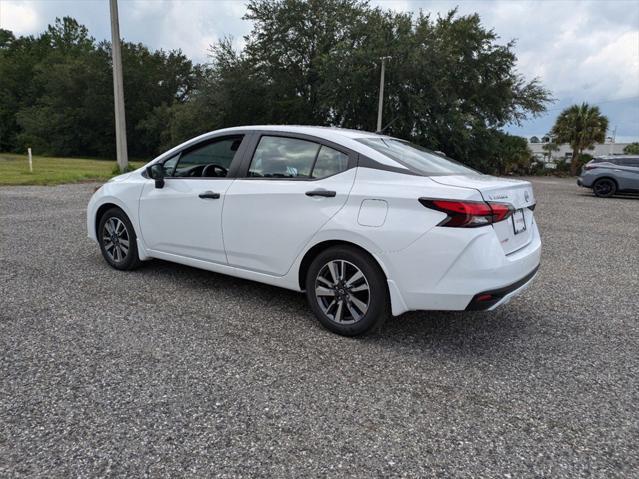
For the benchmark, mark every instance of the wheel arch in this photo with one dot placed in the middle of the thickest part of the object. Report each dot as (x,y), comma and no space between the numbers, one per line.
(103,208)
(318,248)
(607,177)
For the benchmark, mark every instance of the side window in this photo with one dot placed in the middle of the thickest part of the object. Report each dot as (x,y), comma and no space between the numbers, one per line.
(209,160)
(627,162)
(278,157)
(329,162)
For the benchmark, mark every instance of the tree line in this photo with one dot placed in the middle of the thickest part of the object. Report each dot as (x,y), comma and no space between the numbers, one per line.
(451,84)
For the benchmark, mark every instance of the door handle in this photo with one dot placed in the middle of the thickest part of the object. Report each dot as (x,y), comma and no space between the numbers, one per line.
(324,193)
(209,195)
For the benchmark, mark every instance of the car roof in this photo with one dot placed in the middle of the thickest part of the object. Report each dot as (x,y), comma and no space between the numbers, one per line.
(326,132)
(617,157)
(340,136)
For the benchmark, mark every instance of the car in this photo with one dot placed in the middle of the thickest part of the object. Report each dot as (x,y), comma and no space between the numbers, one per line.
(366,225)
(609,175)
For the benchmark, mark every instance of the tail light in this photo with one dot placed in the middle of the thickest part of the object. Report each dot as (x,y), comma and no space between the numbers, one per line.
(590,167)
(468,214)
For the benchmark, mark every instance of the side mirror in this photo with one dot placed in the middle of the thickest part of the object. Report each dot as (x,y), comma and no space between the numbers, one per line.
(156,172)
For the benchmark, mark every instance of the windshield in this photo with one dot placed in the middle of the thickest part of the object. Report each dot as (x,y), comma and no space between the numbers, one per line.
(417,158)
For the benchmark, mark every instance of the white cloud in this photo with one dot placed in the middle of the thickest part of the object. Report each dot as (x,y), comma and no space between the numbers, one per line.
(20,18)
(189,25)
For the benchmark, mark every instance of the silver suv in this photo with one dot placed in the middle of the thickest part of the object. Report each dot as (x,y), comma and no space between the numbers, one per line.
(607,175)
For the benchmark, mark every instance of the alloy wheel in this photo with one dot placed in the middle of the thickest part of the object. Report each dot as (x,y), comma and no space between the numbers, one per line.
(115,239)
(603,187)
(342,292)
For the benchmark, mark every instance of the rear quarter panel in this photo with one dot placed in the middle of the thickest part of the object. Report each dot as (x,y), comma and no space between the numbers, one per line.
(406,219)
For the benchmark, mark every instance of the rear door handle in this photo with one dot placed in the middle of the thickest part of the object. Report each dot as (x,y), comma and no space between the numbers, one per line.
(209,195)
(324,193)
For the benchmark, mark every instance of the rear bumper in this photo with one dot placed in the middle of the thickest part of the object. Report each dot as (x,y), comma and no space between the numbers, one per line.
(448,268)
(586,180)
(489,300)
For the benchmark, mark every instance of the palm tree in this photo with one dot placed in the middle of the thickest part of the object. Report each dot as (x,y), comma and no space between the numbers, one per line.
(581,126)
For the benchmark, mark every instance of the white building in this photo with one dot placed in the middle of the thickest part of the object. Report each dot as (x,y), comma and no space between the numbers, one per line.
(565,151)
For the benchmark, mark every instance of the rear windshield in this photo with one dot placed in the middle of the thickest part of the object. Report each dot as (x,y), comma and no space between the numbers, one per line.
(416,158)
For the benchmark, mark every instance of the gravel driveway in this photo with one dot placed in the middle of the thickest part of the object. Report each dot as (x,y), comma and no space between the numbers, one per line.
(172,371)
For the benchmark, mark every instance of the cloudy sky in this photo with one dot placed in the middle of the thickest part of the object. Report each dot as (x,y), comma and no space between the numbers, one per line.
(580,50)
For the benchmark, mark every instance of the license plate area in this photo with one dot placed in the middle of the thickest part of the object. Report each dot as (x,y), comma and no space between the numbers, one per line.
(519,221)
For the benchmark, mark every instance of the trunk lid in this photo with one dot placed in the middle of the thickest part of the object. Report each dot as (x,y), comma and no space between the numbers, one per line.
(517,193)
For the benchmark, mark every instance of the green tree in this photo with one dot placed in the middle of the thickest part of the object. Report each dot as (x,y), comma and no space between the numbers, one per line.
(631,149)
(512,154)
(56,93)
(449,85)
(67,114)
(18,60)
(581,126)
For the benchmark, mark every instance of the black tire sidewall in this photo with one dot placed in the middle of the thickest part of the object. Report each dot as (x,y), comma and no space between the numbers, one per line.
(132,259)
(612,191)
(379,307)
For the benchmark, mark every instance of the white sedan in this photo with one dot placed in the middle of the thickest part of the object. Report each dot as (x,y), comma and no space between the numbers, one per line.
(367,225)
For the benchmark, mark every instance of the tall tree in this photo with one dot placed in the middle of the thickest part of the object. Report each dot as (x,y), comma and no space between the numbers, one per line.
(581,126)
(450,85)
(56,93)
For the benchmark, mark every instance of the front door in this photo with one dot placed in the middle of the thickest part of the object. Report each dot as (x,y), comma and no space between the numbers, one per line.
(185,216)
(292,188)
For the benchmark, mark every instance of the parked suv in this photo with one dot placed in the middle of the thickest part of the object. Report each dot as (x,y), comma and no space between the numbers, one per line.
(607,175)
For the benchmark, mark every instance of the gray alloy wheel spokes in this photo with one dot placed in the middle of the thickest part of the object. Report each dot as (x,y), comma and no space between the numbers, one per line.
(115,238)
(342,291)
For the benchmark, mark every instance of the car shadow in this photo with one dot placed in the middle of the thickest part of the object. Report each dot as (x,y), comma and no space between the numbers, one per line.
(620,196)
(440,332)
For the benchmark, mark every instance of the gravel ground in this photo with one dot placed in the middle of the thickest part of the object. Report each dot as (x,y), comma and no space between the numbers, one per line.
(173,371)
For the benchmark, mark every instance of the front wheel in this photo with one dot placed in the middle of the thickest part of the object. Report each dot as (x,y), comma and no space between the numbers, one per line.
(604,188)
(347,291)
(117,239)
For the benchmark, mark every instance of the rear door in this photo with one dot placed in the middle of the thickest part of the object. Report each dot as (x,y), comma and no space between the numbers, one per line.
(292,185)
(516,231)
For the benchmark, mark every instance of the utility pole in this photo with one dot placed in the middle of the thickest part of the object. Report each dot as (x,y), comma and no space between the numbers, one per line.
(381,94)
(118,89)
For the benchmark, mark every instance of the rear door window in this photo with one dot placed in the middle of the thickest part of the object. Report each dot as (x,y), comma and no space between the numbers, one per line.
(283,157)
(280,157)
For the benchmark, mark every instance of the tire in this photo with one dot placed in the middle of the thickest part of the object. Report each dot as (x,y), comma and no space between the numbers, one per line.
(113,245)
(360,288)
(604,188)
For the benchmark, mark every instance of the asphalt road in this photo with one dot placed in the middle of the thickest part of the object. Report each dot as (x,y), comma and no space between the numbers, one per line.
(172,371)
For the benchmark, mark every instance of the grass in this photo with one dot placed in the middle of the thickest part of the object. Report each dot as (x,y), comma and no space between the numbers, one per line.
(14,170)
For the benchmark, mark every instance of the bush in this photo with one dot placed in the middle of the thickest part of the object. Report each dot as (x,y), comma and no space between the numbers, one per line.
(116,169)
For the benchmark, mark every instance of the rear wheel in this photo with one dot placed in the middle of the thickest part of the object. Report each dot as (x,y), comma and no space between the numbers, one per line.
(117,239)
(604,188)
(347,291)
